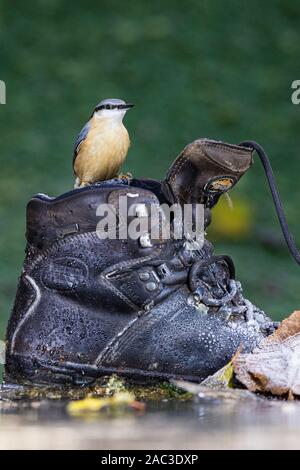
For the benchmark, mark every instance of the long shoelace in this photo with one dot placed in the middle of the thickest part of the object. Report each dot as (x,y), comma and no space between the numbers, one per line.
(276,198)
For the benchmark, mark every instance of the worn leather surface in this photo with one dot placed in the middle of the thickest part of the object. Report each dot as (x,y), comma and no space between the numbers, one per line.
(201,163)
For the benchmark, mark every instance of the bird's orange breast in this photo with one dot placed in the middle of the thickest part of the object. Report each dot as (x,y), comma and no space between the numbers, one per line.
(103,151)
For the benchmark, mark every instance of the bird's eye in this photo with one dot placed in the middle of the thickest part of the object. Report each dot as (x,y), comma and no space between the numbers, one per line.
(108,106)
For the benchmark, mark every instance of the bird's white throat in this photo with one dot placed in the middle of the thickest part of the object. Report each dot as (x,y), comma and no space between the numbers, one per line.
(112,115)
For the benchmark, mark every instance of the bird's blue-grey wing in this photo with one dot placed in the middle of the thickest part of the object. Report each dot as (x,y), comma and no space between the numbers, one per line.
(80,138)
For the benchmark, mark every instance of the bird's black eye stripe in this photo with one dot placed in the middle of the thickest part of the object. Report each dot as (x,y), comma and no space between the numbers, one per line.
(108,106)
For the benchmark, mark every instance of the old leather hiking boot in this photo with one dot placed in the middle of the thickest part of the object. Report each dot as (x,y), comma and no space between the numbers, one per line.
(143,308)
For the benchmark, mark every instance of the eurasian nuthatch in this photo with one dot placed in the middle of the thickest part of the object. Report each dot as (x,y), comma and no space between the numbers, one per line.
(102,145)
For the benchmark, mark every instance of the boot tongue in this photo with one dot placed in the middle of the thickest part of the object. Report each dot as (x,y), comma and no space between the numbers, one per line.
(204,170)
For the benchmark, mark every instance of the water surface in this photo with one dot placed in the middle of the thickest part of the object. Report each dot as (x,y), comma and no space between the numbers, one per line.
(200,423)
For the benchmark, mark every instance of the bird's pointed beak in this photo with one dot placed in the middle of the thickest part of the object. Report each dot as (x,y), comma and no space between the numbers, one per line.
(126,106)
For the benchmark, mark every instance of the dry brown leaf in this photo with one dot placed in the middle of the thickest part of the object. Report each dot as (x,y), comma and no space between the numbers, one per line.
(274,366)
(288,327)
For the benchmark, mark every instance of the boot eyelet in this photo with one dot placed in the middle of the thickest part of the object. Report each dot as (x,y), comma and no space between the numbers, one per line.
(144,276)
(151,286)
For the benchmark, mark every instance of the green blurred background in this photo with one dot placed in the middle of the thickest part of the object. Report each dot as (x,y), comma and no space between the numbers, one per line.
(195,68)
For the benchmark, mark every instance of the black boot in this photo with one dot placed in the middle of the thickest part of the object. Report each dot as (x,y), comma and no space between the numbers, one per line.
(87,307)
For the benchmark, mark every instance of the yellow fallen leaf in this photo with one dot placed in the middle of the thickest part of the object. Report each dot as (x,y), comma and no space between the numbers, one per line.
(91,404)
(220,379)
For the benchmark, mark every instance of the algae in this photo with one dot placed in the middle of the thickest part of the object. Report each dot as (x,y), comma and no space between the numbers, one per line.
(104,387)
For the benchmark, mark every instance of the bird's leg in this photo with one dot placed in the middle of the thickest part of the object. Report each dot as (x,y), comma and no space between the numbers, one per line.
(80,184)
(83,184)
(127,176)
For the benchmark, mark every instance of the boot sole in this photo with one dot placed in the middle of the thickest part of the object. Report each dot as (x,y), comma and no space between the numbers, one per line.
(42,373)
